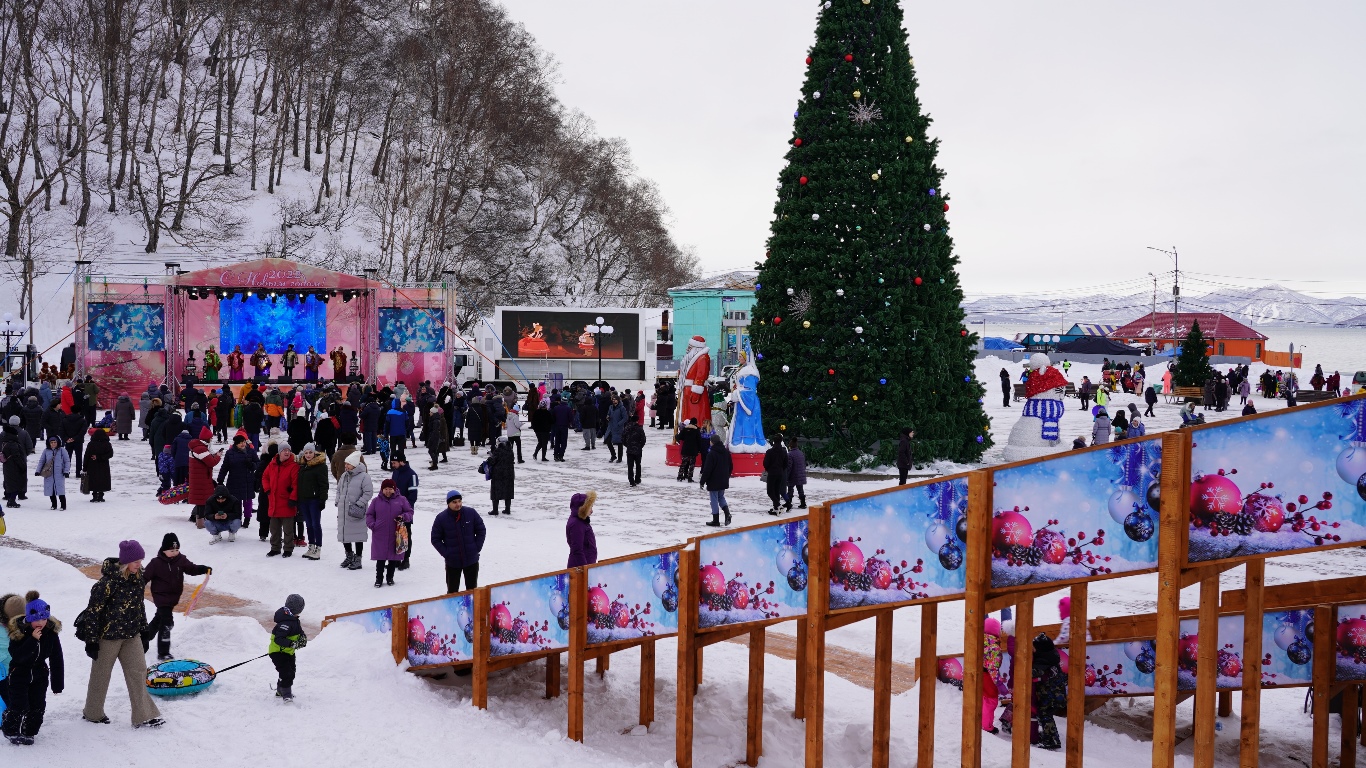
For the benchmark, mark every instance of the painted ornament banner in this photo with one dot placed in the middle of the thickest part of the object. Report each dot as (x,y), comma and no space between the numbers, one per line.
(1295,480)
(1287,648)
(753,575)
(412,330)
(441,631)
(529,616)
(381,620)
(1351,642)
(633,599)
(900,546)
(1077,516)
(126,327)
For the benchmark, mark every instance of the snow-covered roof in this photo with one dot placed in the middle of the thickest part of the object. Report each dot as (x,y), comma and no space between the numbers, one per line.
(739,280)
(1214,325)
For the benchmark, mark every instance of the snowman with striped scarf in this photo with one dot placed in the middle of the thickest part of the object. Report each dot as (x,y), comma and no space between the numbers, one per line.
(1038,432)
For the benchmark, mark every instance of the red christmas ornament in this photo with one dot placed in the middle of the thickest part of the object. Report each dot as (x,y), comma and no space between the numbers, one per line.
(777,321)
(845,559)
(598,601)
(1010,529)
(713,582)
(1229,664)
(416,631)
(1188,651)
(1352,637)
(796,142)
(1051,545)
(946,207)
(738,594)
(848,57)
(802,180)
(1090,675)
(963,333)
(879,573)
(500,618)
(918,281)
(808,59)
(1212,494)
(831,371)
(1268,513)
(950,669)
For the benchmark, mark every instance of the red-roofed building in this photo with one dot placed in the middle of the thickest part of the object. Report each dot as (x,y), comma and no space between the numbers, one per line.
(1223,334)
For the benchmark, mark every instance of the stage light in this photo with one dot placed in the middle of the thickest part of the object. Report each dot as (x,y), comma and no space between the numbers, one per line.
(346,296)
(248,293)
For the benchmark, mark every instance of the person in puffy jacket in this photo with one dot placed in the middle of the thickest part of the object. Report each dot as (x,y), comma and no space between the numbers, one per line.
(502,476)
(775,466)
(715,479)
(202,462)
(123,416)
(633,446)
(796,475)
(312,497)
(541,423)
(287,637)
(617,416)
(512,425)
(689,441)
(54,466)
(578,530)
(1100,426)
(99,479)
(119,633)
(458,534)
(385,515)
(237,472)
(36,663)
(74,428)
(222,514)
(165,575)
(434,436)
(280,484)
(354,492)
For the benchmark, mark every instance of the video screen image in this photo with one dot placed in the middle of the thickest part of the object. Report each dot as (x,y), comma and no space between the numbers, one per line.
(559,334)
(276,324)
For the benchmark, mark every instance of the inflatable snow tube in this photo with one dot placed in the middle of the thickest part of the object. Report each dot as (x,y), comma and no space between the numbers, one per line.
(179,677)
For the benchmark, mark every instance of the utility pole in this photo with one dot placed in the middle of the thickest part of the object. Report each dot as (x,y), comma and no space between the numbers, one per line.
(1176,290)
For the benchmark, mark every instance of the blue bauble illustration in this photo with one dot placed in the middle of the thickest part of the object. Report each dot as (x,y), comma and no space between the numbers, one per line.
(960,528)
(669,599)
(562,618)
(1154,496)
(1138,525)
(950,556)
(796,577)
(1299,652)
(1146,662)
(1361,487)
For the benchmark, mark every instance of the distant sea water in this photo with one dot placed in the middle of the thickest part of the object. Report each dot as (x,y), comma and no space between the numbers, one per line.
(1340,349)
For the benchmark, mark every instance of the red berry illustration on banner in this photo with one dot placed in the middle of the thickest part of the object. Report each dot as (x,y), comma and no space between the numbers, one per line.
(845,559)
(1188,651)
(738,593)
(1212,495)
(1268,513)
(1010,529)
(879,572)
(1090,675)
(713,581)
(598,601)
(500,618)
(415,630)
(1051,545)
(1352,639)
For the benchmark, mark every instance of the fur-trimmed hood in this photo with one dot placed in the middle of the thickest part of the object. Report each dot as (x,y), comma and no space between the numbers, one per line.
(18,627)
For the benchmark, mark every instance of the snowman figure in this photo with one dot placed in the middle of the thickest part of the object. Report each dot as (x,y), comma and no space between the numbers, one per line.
(1037,433)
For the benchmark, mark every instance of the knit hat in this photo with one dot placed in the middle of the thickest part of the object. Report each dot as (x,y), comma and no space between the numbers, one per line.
(351,460)
(36,610)
(169,541)
(194,406)
(295,604)
(14,605)
(239,438)
(581,504)
(454,493)
(14,421)
(310,447)
(388,483)
(130,551)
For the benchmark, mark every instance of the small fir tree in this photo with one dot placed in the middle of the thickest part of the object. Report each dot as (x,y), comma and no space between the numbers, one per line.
(858,322)
(1192,367)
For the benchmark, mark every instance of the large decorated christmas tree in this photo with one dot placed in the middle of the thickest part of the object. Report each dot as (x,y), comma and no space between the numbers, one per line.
(857,324)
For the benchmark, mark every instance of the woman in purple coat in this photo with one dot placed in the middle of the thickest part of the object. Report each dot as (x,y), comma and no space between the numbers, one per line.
(578,532)
(382,517)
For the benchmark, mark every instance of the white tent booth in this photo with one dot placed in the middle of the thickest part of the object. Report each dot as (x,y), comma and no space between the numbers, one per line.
(560,345)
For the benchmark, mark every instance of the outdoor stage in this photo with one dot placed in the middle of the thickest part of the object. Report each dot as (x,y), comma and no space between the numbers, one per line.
(136,333)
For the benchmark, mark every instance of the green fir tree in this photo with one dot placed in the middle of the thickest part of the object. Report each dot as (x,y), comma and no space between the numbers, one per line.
(858,323)
(1192,367)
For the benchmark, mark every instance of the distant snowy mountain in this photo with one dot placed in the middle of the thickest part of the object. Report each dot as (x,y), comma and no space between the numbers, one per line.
(1268,306)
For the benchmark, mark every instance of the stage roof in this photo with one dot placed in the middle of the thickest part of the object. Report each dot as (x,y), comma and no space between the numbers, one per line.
(272,274)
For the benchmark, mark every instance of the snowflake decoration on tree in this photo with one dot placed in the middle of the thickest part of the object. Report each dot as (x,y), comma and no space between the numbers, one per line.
(799,304)
(864,114)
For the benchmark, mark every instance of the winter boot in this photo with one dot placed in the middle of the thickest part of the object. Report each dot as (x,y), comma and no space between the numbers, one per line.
(350,558)
(727,511)
(54,501)
(432,468)
(217,539)
(715,521)
(389,580)
(284,692)
(355,564)
(62,499)
(379,581)
(232,535)
(273,552)
(314,552)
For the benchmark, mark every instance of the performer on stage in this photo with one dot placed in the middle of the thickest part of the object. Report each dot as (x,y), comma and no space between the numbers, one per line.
(355,366)
(312,361)
(213,363)
(260,363)
(236,362)
(695,367)
(288,361)
(338,358)
(191,368)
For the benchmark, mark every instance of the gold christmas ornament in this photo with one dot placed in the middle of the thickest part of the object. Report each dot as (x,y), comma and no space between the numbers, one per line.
(909,139)
(858,94)
(806,323)
(855,397)
(782,427)
(876,177)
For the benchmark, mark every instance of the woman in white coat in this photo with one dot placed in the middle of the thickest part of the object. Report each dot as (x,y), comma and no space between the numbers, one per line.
(354,492)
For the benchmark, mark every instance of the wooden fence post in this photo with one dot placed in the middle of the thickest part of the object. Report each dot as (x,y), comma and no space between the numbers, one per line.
(647,682)
(480,681)
(1024,673)
(687,653)
(1249,738)
(754,718)
(398,620)
(1324,654)
(1076,678)
(977,560)
(1206,671)
(1173,527)
(882,691)
(817,604)
(929,681)
(1347,755)
(578,640)
(552,677)
(799,703)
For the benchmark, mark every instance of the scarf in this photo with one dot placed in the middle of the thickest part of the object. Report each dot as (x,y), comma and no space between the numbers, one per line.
(1050,411)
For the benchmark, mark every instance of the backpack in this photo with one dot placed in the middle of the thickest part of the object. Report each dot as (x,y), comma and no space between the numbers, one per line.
(89,622)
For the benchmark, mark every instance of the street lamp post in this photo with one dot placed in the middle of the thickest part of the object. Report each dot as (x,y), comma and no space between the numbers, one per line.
(599,330)
(11,329)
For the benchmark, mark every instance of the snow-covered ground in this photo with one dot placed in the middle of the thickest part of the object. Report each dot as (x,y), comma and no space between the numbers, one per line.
(346,677)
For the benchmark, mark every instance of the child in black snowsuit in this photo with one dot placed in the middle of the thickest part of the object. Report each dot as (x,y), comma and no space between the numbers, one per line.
(1049,691)
(690,444)
(165,574)
(36,663)
(285,638)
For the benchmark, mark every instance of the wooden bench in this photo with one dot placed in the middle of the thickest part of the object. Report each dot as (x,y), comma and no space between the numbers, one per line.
(1186,395)
(1313,395)
(1070,390)
(1019,393)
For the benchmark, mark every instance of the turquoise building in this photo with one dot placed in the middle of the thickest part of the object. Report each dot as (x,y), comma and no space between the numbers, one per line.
(718,309)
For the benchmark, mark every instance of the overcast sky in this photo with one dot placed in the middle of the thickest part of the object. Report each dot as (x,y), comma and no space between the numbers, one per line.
(1073,134)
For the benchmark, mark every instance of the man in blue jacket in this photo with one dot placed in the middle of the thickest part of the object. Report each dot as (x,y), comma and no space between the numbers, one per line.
(458,534)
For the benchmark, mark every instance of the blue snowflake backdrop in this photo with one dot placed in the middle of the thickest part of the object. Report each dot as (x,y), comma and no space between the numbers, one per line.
(126,327)
(412,330)
(277,324)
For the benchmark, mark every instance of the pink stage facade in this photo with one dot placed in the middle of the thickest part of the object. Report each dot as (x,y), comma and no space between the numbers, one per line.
(136,333)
